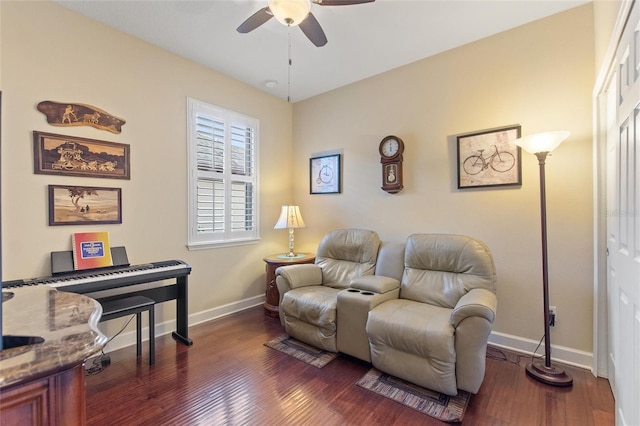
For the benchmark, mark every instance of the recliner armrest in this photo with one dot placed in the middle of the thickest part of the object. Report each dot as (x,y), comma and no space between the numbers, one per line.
(375,283)
(477,302)
(294,276)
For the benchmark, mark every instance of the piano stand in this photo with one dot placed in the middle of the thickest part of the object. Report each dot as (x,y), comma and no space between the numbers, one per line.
(179,338)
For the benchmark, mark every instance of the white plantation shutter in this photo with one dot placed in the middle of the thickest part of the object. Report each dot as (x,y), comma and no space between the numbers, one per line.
(241,206)
(222,179)
(210,209)
(210,143)
(241,150)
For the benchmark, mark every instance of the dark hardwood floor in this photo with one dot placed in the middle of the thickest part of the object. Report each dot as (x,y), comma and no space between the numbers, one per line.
(228,377)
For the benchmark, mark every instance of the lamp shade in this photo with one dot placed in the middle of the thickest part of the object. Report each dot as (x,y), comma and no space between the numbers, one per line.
(290,12)
(542,142)
(290,217)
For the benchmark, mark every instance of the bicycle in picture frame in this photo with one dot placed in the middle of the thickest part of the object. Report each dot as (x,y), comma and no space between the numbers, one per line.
(489,158)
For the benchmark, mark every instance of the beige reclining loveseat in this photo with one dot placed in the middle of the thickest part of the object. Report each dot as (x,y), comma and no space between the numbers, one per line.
(424,316)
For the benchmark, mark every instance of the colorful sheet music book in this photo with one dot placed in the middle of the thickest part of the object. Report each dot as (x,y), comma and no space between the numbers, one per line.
(91,250)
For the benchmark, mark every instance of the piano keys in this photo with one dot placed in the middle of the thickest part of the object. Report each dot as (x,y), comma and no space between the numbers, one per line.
(108,278)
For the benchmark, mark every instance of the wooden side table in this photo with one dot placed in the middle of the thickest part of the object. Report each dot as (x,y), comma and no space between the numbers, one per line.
(273,262)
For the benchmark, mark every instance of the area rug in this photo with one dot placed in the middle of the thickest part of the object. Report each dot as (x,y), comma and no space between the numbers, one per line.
(307,353)
(435,404)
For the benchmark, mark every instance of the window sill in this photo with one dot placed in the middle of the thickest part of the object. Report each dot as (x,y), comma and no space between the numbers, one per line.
(221,244)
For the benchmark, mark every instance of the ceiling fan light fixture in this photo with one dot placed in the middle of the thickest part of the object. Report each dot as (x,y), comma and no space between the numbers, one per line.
(290,12)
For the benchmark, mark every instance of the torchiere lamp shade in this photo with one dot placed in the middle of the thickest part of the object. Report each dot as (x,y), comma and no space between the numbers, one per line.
(542,142)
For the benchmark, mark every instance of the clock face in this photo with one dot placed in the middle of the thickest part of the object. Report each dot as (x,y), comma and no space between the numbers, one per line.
(390,147)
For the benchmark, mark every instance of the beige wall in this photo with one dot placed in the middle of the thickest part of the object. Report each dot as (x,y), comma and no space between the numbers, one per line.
(539,76)
(50,53)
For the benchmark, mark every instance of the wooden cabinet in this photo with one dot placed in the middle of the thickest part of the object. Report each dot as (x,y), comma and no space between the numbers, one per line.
(273,262)
(58,399)
(43,383)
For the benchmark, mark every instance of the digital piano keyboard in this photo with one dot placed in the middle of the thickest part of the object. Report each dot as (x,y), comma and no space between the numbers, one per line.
(121,276)
(108,278)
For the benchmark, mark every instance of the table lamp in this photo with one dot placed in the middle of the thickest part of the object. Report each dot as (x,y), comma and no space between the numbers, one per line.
(290,218)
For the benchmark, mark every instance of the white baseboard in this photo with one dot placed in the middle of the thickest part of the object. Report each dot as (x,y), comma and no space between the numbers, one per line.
(561,354)
(515,343)
(224,310)
(129,338)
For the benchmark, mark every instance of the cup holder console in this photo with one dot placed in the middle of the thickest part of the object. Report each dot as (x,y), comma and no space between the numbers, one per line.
(365,293)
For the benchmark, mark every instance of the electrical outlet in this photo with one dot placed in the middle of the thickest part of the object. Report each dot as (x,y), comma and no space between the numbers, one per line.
(552,316)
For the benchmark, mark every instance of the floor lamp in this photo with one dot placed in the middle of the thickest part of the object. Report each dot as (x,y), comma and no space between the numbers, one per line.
(541,145)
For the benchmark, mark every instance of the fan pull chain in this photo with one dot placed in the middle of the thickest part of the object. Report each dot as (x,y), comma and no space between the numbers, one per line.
(289,66)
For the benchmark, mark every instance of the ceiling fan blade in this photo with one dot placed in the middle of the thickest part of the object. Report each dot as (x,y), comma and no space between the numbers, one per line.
(312,29)
(255,20)
(340,2)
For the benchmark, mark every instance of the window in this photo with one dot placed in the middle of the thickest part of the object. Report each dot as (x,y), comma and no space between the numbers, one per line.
(223,180)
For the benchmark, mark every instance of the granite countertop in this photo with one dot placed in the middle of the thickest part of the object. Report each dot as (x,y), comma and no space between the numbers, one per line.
(66,321)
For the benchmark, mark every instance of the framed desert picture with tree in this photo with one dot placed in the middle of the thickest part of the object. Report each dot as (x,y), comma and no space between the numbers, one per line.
(84,205)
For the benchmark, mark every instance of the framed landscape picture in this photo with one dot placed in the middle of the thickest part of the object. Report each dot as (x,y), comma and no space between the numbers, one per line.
(67,155)
(489,158)
(324,174)
(84,205)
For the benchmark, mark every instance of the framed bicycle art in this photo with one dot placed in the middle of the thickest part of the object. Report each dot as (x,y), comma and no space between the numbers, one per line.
(489,158)
(324,174)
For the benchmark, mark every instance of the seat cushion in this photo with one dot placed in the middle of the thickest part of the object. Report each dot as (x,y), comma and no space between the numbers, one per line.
(414,341)
(310,315)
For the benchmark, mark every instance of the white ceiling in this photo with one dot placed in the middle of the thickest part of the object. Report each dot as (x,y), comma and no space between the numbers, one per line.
(364,40)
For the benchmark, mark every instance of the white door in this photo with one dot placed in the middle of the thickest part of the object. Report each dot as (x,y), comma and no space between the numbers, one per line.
(623,223)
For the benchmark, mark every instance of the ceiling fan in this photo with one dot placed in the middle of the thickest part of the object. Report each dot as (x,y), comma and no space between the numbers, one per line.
(295,12)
